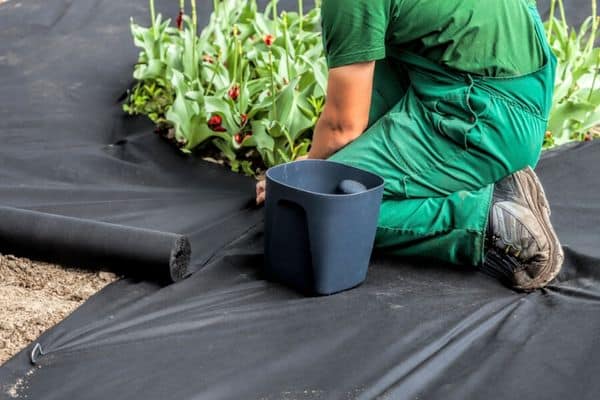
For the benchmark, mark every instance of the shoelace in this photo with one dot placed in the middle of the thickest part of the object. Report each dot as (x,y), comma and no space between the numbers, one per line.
(508,249)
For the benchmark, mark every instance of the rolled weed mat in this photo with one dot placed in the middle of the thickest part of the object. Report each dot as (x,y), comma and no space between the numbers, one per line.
(142,253)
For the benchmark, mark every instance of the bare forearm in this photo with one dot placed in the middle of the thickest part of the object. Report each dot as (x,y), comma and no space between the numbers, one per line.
(329,137)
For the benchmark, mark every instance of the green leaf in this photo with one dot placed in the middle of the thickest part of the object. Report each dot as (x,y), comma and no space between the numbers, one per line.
(224,144)
(261,26)
(256,86)
(284,156)
(289,113)
(199,132)
(276,129)
(173,57)
(592,120)
(154,69)
(260,137)
(566,112)
(319,69)
(214,105)
(247,168)
(195,95)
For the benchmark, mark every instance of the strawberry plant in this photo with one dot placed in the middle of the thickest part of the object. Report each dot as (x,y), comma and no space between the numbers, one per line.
(250,86)
(576,105)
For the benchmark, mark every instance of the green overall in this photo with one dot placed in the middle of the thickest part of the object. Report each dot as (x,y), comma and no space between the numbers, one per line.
(441,138)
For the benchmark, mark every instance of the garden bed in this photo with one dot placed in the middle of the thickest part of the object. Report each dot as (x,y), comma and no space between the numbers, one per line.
(35,296)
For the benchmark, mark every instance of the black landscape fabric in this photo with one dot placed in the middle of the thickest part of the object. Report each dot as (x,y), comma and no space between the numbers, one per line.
(140,252)
(414,329)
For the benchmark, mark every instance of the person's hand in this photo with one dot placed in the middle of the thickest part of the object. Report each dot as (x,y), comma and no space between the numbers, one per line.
(261,185)
(261,191)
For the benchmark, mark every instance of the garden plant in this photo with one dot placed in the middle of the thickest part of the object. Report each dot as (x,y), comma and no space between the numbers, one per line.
(575,111)
(248,89)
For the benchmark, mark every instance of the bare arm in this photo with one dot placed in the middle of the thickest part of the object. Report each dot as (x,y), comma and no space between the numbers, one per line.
(346,112)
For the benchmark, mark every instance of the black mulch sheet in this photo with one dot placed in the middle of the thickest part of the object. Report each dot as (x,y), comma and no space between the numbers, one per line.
(415,330)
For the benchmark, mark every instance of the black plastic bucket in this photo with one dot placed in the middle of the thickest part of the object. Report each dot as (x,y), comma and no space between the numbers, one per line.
(316,240)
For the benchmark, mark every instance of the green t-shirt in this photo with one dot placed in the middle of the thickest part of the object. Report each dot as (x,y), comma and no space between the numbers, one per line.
(487,37)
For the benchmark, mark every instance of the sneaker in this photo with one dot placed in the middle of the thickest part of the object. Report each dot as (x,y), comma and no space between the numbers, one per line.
(522,248)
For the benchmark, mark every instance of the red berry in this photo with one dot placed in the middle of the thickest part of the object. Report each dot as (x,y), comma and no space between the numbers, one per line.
(244,118)
(268,39)
(587,137)
(208,58)
(238,138)
(234,92)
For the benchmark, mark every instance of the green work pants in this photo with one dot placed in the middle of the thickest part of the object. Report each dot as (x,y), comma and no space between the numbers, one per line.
(440,139)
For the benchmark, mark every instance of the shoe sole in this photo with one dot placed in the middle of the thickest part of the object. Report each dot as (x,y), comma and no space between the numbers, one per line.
(538,203)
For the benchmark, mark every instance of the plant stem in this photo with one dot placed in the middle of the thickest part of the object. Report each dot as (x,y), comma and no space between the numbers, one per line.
(194,18)
(287,50)
(235,55)
(194,32)
(152,12)
(182,5)
(272,83)
(590,45)
(563,16)
(551,23)
(597,70)
(240,60)
(240,69)
(301,15)
(212,81)
(290,142)
(209,31)
(275,13)
(153,16)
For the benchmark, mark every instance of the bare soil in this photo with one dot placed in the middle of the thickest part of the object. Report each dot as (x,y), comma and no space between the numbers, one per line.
(34,296)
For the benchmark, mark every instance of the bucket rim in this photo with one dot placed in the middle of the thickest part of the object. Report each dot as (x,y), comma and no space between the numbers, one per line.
(269,176)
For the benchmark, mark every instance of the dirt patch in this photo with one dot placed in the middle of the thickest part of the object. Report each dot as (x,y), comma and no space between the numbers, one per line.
(34,296)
